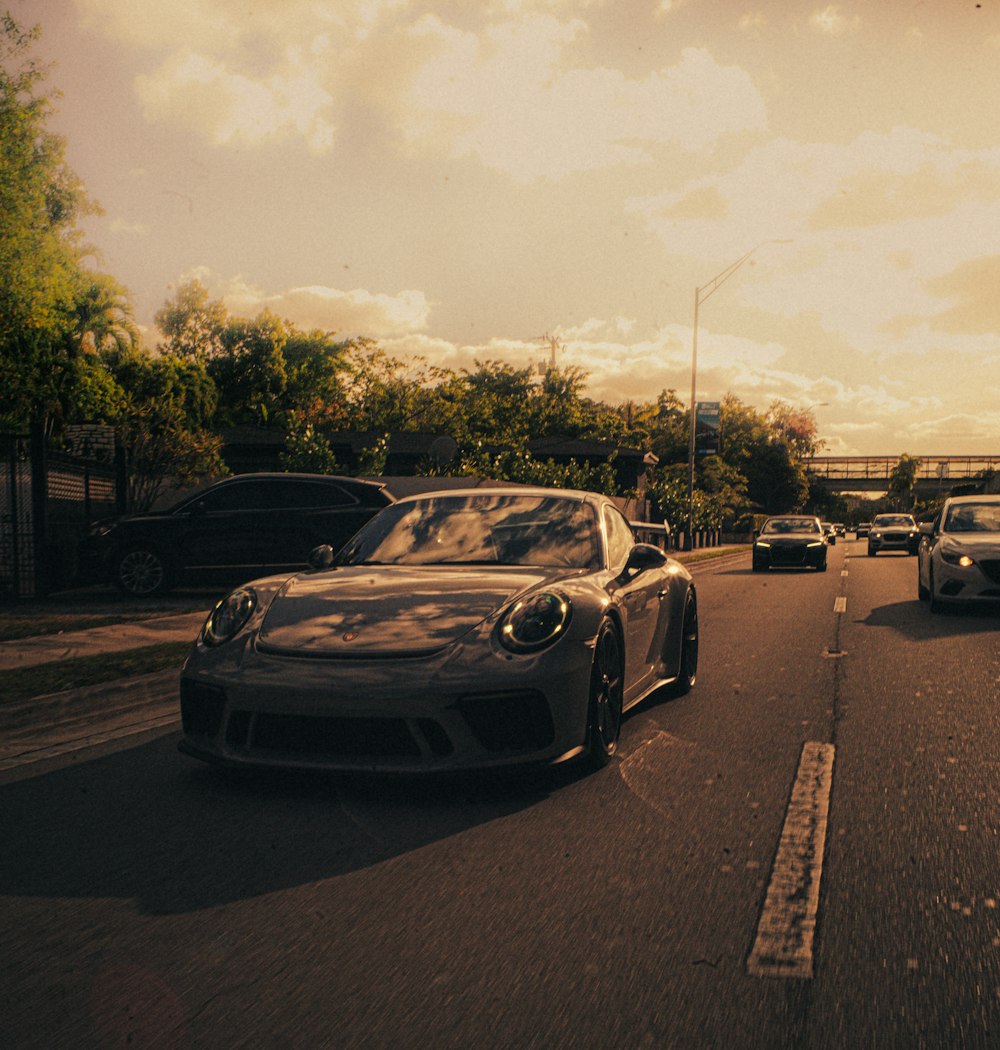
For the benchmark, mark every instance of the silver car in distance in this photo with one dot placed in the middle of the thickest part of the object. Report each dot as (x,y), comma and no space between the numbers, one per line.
(457,630)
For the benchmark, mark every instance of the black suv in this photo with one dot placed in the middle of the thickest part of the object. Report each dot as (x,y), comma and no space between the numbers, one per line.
(246,526)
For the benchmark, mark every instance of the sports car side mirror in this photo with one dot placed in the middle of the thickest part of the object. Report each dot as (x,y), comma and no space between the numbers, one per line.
(321,557)
(644,556)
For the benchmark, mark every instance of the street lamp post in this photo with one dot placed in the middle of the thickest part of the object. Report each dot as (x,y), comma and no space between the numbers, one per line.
(700,295)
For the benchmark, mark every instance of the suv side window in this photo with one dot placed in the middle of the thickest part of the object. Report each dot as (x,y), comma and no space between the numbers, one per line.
(240,495)
(620,538)
(312,494)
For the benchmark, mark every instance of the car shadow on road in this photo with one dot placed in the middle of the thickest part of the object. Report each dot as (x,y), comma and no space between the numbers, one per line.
(150,825)
(915,620)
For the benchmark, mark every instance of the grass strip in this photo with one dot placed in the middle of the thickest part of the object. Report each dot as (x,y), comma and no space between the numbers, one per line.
(20,626)
(28,682)
(707,553)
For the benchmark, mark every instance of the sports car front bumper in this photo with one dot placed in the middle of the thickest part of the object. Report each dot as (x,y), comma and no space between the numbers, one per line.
(445,712)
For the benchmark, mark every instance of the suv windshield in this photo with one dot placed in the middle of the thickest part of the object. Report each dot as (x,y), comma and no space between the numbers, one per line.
(884,520)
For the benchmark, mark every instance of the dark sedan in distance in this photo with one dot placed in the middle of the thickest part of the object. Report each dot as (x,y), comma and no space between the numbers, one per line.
(237,529)
(790,541)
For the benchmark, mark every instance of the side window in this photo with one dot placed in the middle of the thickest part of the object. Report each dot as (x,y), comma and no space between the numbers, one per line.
(304,494)
(620,538)
(239,495)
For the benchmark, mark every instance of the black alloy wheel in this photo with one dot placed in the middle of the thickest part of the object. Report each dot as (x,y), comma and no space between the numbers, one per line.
(606,696)
(688,671)
(142,572)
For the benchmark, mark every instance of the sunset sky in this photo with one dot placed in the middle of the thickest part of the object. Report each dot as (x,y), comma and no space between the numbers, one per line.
(457,178)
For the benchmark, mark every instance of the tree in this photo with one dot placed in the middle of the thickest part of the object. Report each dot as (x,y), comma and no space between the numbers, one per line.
(249,369)
(903,479)
(192,322)
(41,200)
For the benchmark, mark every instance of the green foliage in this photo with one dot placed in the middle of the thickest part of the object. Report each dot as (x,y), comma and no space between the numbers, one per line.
(192,323)
(523,469)
(41,200)
(307,450)
(902,479)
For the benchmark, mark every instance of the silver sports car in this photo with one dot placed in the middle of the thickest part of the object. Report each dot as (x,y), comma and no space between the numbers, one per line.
(456,630)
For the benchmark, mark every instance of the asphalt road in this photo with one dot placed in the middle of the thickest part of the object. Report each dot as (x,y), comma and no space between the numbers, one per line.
(151,901)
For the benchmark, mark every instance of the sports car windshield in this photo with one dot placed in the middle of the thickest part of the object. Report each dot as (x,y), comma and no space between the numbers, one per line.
(479,530)
(974,517)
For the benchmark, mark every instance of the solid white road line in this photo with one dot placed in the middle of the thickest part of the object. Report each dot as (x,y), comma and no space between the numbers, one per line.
(785,933)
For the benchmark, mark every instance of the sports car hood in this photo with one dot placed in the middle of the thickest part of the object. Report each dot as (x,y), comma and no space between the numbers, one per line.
(364,611)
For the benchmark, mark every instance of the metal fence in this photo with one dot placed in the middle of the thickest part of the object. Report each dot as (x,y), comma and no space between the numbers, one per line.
(48,500)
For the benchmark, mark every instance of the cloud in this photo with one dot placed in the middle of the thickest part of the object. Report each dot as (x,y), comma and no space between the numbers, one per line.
(832,22)
(132,229)
(874,222)
(974,285)
(229,108)
(354,312)
(511,98)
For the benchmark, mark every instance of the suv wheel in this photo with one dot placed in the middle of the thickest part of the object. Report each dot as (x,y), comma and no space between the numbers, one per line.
(142,572)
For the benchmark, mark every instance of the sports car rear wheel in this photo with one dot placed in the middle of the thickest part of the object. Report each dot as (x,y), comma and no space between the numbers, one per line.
(606,692)
(688,671)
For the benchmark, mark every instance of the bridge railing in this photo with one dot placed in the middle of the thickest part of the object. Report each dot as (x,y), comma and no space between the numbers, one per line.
(879,468)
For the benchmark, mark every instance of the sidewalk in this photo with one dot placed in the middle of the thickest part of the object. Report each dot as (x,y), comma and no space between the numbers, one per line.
(113,638)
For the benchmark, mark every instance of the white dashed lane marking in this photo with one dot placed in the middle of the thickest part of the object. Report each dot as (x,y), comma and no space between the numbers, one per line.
(840,604)
(787,927)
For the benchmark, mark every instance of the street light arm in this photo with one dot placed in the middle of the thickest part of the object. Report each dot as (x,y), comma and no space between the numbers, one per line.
(720,279)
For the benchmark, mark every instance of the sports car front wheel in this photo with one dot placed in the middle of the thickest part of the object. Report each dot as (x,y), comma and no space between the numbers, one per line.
(606,692)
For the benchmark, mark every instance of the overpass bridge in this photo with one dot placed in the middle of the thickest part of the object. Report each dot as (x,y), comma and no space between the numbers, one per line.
(936,474)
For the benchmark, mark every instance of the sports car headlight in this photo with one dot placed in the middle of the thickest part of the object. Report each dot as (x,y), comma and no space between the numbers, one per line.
(818,543)
(763,543)
(534,623)
(956,557)
(229,617)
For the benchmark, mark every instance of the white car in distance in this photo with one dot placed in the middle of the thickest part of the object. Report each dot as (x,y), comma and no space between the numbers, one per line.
(958,560)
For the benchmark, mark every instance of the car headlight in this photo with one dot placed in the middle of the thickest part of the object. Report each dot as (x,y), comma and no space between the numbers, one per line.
(229,617)
(956,557)
(533,623)
(876,533)
(762,543)
(817,543)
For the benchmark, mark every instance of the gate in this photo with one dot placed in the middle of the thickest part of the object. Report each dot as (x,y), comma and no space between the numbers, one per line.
(48,500)
(17,540)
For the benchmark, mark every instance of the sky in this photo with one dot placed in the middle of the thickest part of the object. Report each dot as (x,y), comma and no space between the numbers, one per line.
(458,179)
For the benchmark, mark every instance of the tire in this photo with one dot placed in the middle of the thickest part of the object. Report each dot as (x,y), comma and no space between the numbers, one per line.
(822,566)
(604,708)
(871,551)
(760,566)
(687,671)
(937,607)
(142,572)
(922,592)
